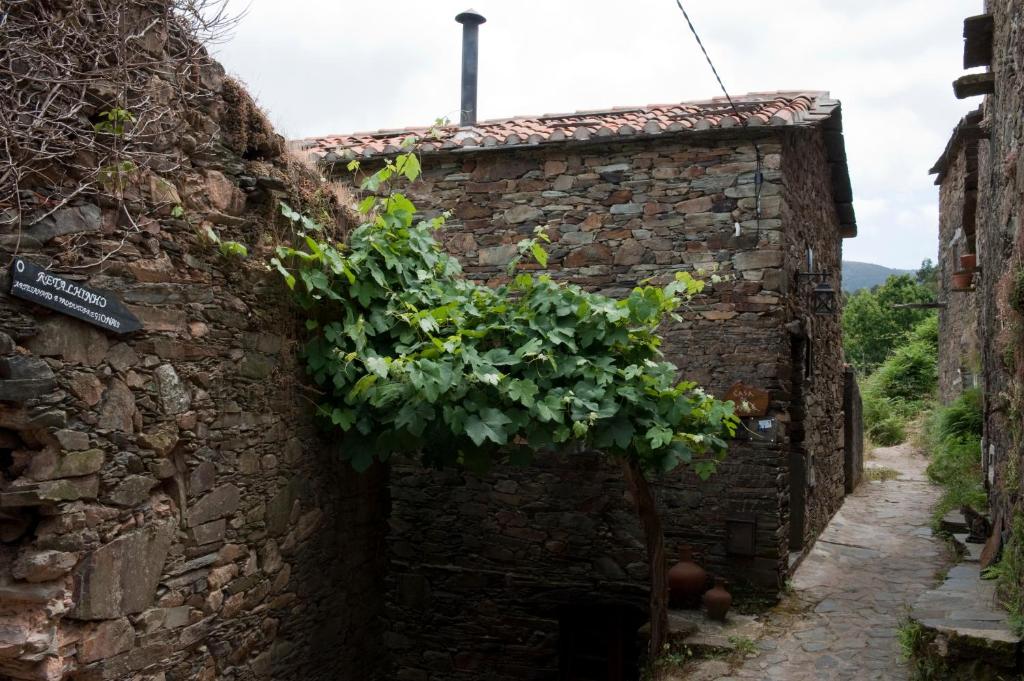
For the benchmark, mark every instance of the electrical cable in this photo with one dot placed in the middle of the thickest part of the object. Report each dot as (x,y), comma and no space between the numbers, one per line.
(758,175)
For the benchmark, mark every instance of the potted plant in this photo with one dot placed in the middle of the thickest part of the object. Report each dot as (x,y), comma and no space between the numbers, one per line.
(962,281)
(969,262)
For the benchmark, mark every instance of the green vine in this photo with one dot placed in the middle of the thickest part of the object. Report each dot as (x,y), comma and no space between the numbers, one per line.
(412,357)
(227,248)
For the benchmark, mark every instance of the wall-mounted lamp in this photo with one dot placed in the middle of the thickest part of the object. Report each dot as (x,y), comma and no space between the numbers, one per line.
(824,300)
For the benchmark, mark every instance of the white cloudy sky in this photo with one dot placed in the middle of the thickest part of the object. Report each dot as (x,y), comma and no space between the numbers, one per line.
(332,66)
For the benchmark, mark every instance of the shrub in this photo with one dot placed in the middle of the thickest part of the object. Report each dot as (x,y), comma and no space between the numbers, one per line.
(902,386)
(962,418)
(955,460)
(910,373)
(927,332)
(953,434)
(889,432)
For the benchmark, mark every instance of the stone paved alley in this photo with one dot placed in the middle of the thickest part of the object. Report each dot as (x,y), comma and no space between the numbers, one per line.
(876,556)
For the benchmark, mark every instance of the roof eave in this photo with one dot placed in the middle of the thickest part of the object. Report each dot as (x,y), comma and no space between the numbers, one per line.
(842,189)
(969,128)
(827,115)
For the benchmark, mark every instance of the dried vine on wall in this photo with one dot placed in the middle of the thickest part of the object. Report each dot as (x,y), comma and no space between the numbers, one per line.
(93,94)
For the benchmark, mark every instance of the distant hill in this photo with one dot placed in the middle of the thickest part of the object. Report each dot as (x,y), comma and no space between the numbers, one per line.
(858,275)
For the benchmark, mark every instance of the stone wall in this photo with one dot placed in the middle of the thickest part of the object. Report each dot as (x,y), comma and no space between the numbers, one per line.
(167,510)
(1001,257)
(959,349)
(483,569)
(815,364)
(486,568)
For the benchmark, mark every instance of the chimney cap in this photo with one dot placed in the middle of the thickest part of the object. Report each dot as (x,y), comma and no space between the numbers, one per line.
(470,18)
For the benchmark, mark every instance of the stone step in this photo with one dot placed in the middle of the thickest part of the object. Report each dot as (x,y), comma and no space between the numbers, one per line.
(971,551)
(707,636)
(954,523)
(965,618)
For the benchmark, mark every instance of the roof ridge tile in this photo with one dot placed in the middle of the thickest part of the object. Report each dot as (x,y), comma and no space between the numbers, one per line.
(755,109)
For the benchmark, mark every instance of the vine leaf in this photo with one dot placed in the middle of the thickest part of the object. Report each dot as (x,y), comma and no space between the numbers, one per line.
(488,425)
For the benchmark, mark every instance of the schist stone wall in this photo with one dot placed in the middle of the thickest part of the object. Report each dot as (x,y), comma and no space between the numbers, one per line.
(167,510)
(486,570)
(959,348)
(1001,259)
(815,363)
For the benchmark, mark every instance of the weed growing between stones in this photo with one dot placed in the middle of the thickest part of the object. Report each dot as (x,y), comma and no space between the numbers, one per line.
(1009,575)
(744,646)
(915,643)
(678,659)
(674,658)
(880,473)
(749,599)
(910,635)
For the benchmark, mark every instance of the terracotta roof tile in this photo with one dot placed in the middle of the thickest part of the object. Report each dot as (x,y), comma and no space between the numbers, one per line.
(755,109)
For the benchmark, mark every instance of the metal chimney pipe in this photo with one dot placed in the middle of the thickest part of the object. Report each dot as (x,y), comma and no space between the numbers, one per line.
(470,20)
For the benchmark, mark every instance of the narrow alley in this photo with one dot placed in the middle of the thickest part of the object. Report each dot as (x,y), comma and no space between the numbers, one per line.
(840,619)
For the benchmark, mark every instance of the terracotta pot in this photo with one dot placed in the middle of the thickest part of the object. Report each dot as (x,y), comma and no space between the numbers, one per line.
(962,280)
(969,262)
(686,579)
(717,600)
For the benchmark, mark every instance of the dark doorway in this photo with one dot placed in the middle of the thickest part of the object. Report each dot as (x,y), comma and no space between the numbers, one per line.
(853,432)
(599,644)
(801,362)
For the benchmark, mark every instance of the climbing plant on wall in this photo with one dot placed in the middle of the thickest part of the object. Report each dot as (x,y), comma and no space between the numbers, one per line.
(412,357)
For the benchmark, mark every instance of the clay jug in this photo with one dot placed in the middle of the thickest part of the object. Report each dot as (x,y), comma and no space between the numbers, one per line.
(717,600)
(686,579)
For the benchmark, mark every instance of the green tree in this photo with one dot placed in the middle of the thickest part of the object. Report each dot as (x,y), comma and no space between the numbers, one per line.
(928,275)
(872,324)
(903,385)
(411,357)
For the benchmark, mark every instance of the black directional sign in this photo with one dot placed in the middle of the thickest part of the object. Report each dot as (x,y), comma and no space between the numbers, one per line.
(100,308)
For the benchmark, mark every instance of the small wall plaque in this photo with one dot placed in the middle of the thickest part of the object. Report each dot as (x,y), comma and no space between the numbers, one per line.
(33,283)
(741,536)
(759,430)
(749,401)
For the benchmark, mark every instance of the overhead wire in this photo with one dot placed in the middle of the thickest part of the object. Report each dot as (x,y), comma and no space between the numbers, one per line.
(758,174)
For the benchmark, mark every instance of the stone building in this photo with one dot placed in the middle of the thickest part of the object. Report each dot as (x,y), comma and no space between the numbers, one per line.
(167,510)
(982,178)
(525,572)
(957,176)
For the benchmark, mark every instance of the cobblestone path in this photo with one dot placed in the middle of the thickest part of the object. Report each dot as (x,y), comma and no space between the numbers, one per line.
(876,556)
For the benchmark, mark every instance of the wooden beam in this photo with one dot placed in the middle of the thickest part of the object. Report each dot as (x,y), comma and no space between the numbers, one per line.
(974,84)
(846,214)
(917,306)
(841,191)
(978,41)
(835,145)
